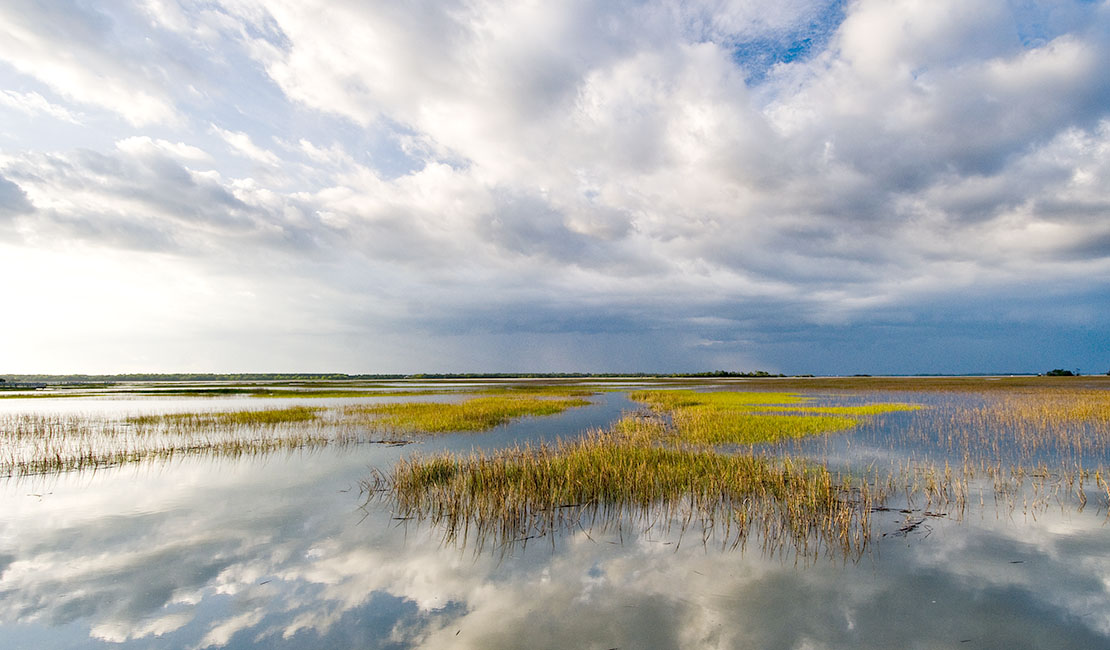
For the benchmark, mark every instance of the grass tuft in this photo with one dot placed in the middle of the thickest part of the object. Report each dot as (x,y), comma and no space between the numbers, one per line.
(753,417)
(516,493)
(477,414)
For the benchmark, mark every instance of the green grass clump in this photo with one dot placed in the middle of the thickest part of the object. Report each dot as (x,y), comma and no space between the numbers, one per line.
(547,390)
(32,444)
(266,417)
(865,409)
(514,493)
(711,427)
(752,417)
(477,414)
(38,444)
(673,399)
(279,392)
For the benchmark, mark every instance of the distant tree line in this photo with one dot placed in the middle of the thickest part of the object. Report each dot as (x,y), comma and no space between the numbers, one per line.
(726,373)
(309,376)
(251,376)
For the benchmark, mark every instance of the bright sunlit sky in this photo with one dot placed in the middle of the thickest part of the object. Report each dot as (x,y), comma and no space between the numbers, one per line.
(873,186)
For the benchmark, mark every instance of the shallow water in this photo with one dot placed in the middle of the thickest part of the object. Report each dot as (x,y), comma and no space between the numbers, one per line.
(279,552)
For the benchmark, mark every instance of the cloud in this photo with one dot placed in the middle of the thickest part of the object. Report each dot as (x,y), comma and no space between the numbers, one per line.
(13,200)
(186,568)
(241,143)
(75,50)
(144,145)
(826,162)
(33,103)
(142,196)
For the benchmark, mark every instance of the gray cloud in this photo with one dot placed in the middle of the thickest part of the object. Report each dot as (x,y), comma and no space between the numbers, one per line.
(13,200)
(450,158)
(148,200)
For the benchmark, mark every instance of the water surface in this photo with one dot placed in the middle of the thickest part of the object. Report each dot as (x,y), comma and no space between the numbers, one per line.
(281,551)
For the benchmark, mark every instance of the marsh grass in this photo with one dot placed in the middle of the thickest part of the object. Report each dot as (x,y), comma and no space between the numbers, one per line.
(546,390)
(753,417)
(515,494)
(871,385)
(1025,449)
(33,444)
(1061,427)
(654,467)
(476,414)
(675,399)
(250,418)
(661,467)
(277,393)
(862,410)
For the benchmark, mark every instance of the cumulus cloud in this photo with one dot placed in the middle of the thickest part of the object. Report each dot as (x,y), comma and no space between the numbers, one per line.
(831,163)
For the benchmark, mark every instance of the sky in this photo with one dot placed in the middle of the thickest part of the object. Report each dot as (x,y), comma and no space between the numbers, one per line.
(871,186)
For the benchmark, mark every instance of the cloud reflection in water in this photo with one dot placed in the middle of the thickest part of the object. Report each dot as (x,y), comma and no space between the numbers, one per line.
(275,553)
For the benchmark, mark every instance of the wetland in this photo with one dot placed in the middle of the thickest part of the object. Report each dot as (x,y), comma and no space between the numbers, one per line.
(637,512)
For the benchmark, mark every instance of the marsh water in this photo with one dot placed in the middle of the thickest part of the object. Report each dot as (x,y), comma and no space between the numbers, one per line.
(284,550)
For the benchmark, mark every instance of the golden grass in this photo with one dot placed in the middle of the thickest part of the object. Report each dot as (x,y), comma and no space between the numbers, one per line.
(646,467)
(674,399)
(652,466)
(515,493)
(32,444)
(753,417)
(909,384)
(255,418)
(1069,426)
(740,427)
(476,414)
(862,410)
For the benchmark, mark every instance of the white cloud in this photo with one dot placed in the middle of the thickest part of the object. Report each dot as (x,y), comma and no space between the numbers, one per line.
(243,145)
(529,154)
(32,103)
(140,145)
(74,52)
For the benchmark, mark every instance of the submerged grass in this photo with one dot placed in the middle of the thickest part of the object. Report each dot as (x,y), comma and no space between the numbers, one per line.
(257,418)
(476,414)
(36,444)
(281,393)
(31,444)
